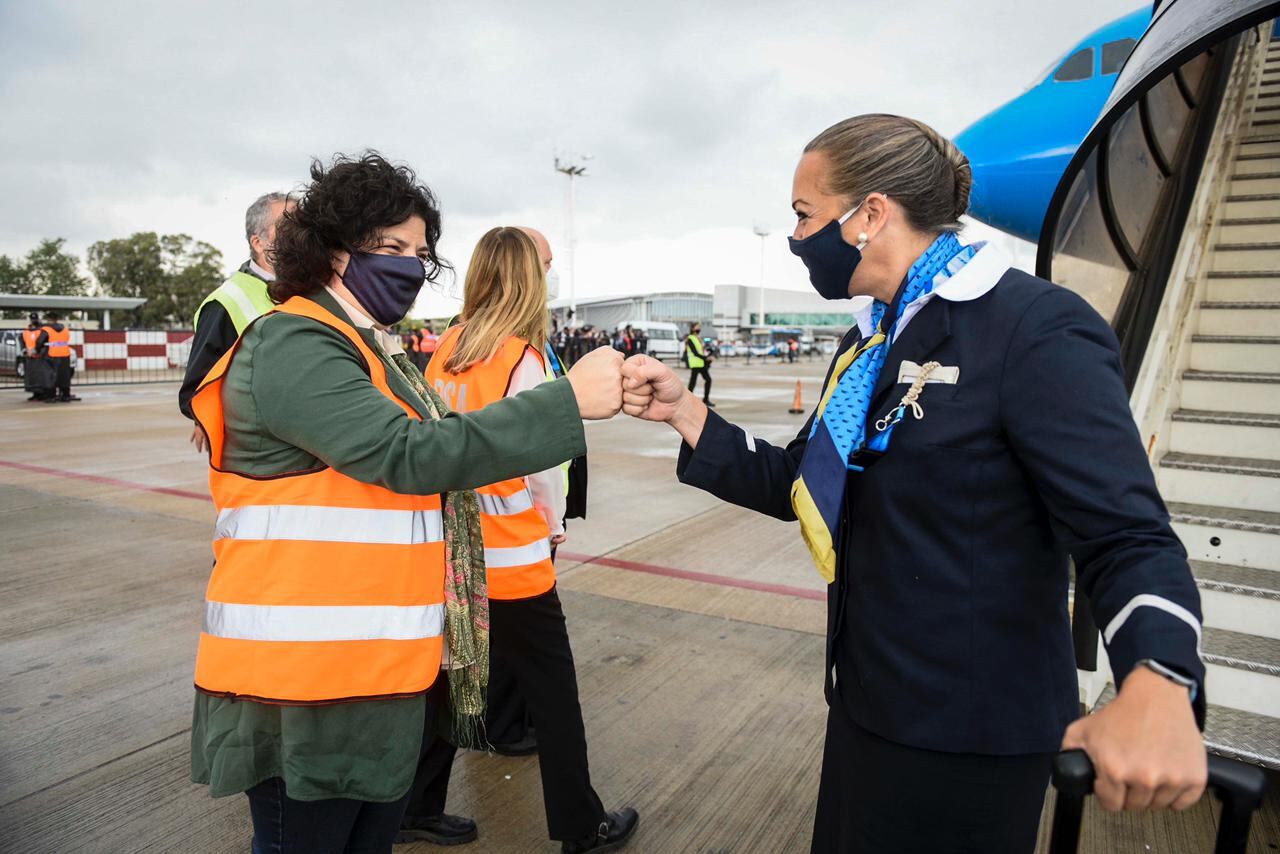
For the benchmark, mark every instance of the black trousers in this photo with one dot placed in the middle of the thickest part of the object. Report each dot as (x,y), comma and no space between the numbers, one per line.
(878,797)
(430,785)
(282,825)
(705,370)
(529,644)
(61,376)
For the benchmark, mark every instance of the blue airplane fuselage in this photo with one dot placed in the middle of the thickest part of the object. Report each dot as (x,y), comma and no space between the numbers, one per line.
(1019,151)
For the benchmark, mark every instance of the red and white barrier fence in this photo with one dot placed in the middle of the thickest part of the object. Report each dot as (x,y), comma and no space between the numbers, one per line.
(130,350)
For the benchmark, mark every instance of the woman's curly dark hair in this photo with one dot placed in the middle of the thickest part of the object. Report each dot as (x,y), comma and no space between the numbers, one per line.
(345,208)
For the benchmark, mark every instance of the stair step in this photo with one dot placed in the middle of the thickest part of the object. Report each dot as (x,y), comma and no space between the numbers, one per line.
(1240,157)
(1231,391)
(1233,352)
(1246,466)
(1249,228)
(1226,535)
(1246,736)
(1262,164)
(1240,580)
(1242,670)
(1239,318)
(1234,419)
(1258,257)
(1253,205)
(1248,483)
(1255,184)
(1244,274)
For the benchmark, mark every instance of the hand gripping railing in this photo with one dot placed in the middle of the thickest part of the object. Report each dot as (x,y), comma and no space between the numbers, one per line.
(1239,786)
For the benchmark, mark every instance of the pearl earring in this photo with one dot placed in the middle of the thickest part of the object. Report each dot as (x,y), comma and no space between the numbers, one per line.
(862,237)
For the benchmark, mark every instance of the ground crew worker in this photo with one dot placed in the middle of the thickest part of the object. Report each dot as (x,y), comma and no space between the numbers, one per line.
(37,372)
(54,342)
(699,363)
(327,613)
(235,303)
(497,351)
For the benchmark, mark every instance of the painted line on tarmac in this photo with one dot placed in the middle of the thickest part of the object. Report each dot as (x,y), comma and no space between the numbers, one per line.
(689,575)
(108,481)
(600,560)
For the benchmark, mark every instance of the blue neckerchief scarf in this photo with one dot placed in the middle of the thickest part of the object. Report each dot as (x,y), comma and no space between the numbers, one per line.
(840,425)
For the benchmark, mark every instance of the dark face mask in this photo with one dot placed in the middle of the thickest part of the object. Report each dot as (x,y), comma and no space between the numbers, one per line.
(385,285)
(831,261)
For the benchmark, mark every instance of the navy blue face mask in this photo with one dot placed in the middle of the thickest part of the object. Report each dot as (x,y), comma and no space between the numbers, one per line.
(831,261)
(385,285)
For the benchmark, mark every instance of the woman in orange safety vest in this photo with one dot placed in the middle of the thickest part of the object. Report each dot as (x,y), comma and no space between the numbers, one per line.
(495,352)
(346,546)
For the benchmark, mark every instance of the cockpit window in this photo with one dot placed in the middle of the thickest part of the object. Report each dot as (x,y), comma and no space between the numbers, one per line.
(1115,53)
(1079,66)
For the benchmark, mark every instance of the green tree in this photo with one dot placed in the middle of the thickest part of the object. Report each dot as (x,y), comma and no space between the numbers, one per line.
(12,278)
(173,273)
(49,270)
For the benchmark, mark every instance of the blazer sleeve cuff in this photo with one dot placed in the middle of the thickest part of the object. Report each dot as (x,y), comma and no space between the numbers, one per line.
(1159,631)
(703,466)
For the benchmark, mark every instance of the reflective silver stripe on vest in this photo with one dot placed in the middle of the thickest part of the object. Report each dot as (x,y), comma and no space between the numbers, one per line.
(323,622)
(517,555)
(330,524)
(495,505)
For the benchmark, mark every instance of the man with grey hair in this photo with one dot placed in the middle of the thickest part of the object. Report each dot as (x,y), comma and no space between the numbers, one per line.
(236,303)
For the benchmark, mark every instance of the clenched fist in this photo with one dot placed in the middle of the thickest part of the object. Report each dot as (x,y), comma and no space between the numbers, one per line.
(650,389)
(597,383)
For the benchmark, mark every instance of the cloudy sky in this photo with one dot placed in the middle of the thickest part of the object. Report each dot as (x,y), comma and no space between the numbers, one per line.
(121,117)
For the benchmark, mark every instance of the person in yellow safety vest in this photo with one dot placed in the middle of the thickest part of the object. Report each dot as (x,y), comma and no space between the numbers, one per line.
(54,343)
(37,372)
(344,571)
(496,352)
(233,305)
(699,363)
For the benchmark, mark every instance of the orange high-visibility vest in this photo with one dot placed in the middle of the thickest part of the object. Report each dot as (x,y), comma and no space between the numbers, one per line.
(517,546)
(324,588)
(430,342)
(59,342)
(29,339)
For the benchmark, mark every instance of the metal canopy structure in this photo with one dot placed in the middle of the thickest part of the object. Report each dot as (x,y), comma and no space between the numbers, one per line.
(1115,218)
(66,304)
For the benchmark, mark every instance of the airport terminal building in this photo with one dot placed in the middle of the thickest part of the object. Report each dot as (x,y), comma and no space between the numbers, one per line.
(733,311)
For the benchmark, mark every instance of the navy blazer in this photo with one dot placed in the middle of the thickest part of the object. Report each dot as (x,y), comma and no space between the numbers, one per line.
(948,625)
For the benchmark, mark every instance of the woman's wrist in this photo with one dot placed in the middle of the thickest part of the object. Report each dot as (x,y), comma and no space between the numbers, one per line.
(688,418)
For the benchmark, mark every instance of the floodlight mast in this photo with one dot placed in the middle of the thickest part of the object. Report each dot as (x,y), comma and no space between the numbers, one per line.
(571,170)
(763,233)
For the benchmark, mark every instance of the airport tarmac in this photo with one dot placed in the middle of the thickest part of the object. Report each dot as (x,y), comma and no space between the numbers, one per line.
(697,630)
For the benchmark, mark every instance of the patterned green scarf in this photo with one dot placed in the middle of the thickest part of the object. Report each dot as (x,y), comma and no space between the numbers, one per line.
(466,599)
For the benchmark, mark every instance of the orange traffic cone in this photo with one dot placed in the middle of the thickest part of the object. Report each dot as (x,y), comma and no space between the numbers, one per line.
(797,408)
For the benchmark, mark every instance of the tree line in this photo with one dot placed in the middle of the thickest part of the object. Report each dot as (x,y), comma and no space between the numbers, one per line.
(172,272)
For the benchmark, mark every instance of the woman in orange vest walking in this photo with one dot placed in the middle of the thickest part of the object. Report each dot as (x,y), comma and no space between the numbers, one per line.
(348,551)
(494,353)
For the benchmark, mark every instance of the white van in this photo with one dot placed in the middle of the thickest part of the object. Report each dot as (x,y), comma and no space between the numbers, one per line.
(665,341)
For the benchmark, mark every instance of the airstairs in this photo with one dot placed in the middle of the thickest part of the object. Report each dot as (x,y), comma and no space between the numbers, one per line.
(1218,449)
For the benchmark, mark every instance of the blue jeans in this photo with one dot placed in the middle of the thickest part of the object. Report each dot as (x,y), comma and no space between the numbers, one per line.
(282,825)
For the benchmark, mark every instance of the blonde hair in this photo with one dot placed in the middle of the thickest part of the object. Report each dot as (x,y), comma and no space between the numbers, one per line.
(504,295)
(907,160)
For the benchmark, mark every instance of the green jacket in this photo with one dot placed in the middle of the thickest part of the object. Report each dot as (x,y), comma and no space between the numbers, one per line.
(296,394)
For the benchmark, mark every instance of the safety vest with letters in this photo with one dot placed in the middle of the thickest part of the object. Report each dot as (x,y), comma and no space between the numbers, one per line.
(430,342)
(697,356)
(243,296)
(324,588)
(517,546)
(59,342)
(29,339)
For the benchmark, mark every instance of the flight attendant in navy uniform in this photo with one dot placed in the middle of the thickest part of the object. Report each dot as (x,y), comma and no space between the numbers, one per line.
(973,434)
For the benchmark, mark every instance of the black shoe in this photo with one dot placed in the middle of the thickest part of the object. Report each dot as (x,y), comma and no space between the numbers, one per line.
(616,828)
(69,398)
(438,830)
(51,400)
(526,746)
(709,404)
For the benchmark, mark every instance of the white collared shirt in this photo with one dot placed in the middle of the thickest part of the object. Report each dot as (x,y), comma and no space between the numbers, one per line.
(260,273)
(973,280)
(390,344)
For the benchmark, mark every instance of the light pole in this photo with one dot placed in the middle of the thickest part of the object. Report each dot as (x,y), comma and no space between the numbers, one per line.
(762,233)
(571,169)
